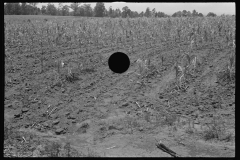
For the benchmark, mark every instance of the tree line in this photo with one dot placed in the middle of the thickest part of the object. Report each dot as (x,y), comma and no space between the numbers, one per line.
(86,10)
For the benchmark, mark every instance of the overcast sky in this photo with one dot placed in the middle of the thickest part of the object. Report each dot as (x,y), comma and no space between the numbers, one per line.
(170,8)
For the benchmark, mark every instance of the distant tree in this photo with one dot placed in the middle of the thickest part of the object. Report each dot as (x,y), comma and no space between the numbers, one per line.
(130,13)
(39,11)
(105,13)
(17,9)
(194,13)
(110,12)
(158,14)
(174,14)
(7,8)
(29,10)
(71,13)
(177,14)
(59,9)
(88,11)
(51,9)
(141,14)
(65,10)
(113,15)
(147,12)
(189,14)
(12,8)
(33,4)
(80,11)
(44,10)
(74,7)
(165,15)
(211,14)
(153,13)
(184,13)
(99,9)
(23,8)
(125,11)
(32,7)
(200,14)
(118,12)
(135,14)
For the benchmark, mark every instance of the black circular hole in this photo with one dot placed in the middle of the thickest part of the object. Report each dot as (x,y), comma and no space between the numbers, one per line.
(119,62)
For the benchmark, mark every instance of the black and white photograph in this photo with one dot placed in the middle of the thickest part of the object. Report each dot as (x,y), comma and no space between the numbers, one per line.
(119,79)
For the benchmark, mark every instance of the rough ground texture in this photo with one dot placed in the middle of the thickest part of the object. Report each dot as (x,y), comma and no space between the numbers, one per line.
(104,114)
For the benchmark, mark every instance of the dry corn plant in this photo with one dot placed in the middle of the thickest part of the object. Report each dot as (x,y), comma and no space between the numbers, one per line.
(147,63)
(234,44)
(194,61)
(57,79)
(141,65)
(41,58)
(72,73)
(181,78)
(180,72)
(179,49)
(191,60)
(216,129)
(172,120)
(58,65)
(177,69)
(162,59)
(191,44)
(190,129)
(147,115)
(230,66)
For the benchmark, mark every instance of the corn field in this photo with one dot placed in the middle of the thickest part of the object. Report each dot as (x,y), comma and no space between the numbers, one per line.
(182,73)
